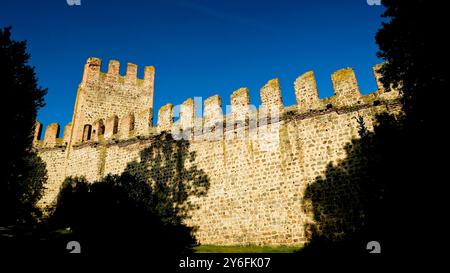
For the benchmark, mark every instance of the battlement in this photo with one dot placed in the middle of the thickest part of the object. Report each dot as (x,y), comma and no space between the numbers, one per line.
(240,104)
(271,97)
(306,93)
(260,157)
(113,128)
(240,113)
(165,117)
(110,104)
(346,90)
(93,76)
(51,136)
(212,112)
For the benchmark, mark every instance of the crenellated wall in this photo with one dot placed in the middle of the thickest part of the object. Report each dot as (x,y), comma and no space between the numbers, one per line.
(104,97)
(259,160)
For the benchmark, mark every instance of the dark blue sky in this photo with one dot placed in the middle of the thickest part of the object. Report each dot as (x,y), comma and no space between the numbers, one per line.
(199,47)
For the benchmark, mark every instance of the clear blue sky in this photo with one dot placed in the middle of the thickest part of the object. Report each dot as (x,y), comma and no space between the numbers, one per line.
(199,47)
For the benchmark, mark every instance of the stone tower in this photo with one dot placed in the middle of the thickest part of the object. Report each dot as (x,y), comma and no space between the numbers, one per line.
(104,99)
(108,106)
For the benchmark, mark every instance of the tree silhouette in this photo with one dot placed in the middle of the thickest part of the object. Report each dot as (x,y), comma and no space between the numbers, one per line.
(362,198)
(24,173)
(168,163)
(391,178)
(139,212)
(412,44)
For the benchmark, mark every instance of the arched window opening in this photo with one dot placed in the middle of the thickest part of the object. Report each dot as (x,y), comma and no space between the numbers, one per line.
(101,128)
(87,132)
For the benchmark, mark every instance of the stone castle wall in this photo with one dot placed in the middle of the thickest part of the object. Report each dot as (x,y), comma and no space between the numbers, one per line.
(258,166)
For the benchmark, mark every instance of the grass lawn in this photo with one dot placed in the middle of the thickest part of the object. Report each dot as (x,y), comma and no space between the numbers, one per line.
(245,249)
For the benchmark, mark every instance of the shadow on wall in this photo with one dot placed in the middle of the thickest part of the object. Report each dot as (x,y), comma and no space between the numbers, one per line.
(140,211)
(369,196)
